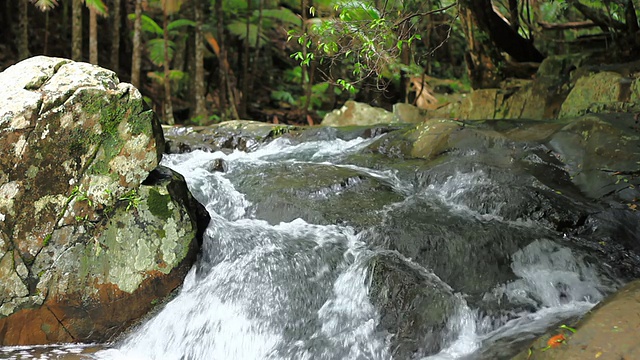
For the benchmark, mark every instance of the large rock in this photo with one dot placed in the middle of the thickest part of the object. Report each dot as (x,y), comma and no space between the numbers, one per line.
(87,246)
(355,113)
(231,135)
(605,91)
(608,332)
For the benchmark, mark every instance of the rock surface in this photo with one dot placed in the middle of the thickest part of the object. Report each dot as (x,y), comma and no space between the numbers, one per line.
(87,246)
(355,113)
(225,136)
(608,332)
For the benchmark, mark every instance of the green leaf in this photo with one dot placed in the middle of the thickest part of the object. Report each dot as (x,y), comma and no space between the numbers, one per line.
(97,5)
(156,51)
(148,24)
(176,24)
(283,15)
(239,29)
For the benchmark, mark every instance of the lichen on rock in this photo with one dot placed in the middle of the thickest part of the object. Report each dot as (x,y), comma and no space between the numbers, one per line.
(79,232)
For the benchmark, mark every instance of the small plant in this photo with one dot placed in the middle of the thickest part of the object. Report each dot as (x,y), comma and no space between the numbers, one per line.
(80,196)
(132,198)
(46,240)
(279,131)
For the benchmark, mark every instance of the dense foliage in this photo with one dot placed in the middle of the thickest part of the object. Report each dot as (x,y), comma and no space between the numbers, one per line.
(203,61)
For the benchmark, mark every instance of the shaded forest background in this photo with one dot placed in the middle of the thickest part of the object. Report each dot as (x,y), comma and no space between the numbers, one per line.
(290,61)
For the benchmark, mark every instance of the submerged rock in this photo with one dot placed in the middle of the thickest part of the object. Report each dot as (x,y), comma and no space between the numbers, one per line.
(316,193)
(85,247)
(414,305)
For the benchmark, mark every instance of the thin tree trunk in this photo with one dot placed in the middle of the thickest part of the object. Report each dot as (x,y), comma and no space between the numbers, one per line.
(305,78)
(198,82)
(168,106)
(23,29)
(631,19)
(136,56)
(221,61)
(481,58)
(76,30)
(45,48)
(256,55)
(93,36)
(514,17)
(500,33)
(245,66)
(115,39)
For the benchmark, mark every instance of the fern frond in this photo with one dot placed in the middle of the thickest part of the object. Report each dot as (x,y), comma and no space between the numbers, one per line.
(45,5)
(156,51)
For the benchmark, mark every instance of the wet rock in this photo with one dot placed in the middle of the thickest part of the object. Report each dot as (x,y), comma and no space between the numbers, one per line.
(609,331)
(217,165)
(227,136)
(316,193)
(86,249)
(601,153)
(414,305)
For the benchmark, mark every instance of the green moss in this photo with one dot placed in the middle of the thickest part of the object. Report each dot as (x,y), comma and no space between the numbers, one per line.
(46,240)
(159,204)
(161,233)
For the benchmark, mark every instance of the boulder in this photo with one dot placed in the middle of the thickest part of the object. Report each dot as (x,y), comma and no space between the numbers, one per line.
(355,113)
(601,154)
(92,232)
(604,91)
(231,135)
(609,331)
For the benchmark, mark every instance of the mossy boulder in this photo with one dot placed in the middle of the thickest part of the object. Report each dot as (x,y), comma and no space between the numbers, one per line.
(88,238)
(355,113)
(605,91)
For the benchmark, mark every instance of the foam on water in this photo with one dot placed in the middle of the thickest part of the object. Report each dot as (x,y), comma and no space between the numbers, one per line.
(296,290)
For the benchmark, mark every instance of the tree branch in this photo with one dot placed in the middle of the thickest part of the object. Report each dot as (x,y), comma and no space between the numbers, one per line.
(409,17)
(598,17)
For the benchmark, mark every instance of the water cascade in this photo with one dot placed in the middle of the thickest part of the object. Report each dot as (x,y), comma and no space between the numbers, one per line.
(314,253)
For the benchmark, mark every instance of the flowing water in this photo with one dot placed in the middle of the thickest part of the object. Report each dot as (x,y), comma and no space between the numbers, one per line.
(311,254)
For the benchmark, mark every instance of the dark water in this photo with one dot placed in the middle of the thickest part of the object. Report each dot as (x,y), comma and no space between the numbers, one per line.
(316,252)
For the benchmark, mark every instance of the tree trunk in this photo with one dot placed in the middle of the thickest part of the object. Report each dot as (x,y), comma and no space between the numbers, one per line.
(168,106)
(513,15)
(487,35)
(221,61)
(198,81)
(305,78)
(76,30)
(136,57)
(501,34)
(115,39)
(481,57)
(256,55)
(245,66)
(93,36)
(23,29)
(45,45)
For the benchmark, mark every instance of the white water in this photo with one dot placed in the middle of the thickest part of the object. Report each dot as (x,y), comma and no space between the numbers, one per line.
(300,291)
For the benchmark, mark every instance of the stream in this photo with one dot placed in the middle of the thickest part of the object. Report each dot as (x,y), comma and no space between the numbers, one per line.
(316,251)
